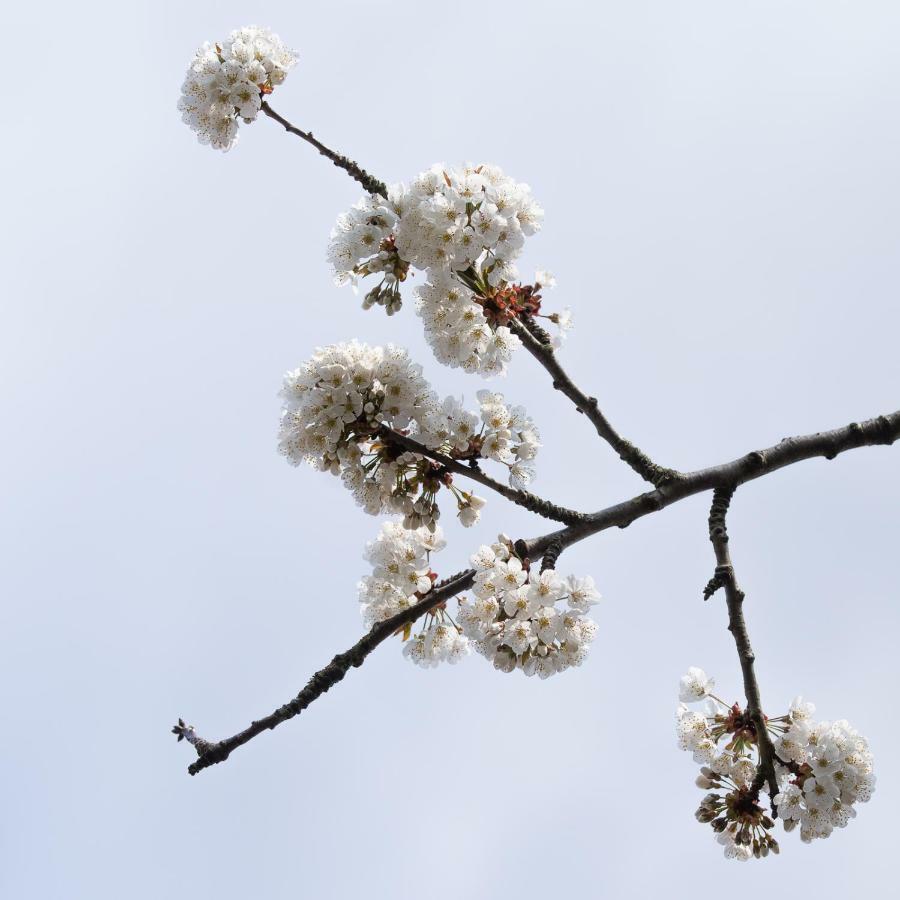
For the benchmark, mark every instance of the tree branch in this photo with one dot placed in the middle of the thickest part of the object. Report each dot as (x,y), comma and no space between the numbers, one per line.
(533,339)
(881,430)
(734,598)
(525,499)
(353,169)
(210,753)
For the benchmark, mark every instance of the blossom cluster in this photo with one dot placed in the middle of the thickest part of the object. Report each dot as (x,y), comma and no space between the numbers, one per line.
(464,227)
(822,770)
(227,80)
(401,577)
(342,408)
(829,770)
(452,218)
(513,619)
(508,436)
(362,243)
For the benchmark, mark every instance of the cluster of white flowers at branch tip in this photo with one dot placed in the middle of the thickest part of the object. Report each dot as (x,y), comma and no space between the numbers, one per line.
(342,408)
(464,228)
(828,770)
(822,769)
(401,577)
(227,80)
(513,618)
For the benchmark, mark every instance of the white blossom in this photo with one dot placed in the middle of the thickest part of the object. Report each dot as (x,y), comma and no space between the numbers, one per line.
(513,618)
(801,710)
(464,228)
(401,570)
(469,510)
(338,405)
(458,328)
(695,685)
(438,642)
(401,578)
(454,218)
(822,769)
(362,243)
(226,81)
(691,728)
(583,594)
(508,436)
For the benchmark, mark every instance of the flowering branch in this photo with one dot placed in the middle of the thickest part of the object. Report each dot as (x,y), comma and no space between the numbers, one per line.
(537,343)
(734,598)
(534,338)
(528,331)
(725,477)
(522,498)
(353,169)
(210,753)
(368,415)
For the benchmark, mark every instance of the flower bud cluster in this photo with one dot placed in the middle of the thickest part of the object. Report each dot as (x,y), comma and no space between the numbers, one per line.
(464,227)
(822,769)
(513,617)
(227,80)
(740,824)
(341,408)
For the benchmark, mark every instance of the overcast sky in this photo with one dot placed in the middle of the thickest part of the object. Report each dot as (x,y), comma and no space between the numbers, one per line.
(721,190)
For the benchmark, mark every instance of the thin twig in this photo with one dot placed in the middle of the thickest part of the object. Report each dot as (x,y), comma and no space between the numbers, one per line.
(532,338)
(737,625)
(522,498)
(210,753)
(353,169)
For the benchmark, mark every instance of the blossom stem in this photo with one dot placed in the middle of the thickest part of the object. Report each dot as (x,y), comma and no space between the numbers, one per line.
(719,700)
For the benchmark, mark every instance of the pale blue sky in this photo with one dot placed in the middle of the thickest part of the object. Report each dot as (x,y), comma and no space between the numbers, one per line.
(721,191)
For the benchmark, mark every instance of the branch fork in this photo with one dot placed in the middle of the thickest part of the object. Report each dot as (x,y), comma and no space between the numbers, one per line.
(669,486)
